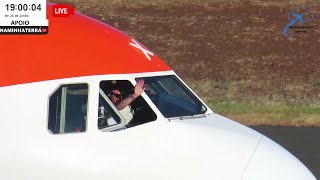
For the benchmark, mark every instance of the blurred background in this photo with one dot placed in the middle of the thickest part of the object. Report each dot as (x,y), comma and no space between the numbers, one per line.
(233,54)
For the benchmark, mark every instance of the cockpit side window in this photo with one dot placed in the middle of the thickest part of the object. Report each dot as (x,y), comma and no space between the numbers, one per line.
(172,97)
(137,112)
(68,109)
(107,116)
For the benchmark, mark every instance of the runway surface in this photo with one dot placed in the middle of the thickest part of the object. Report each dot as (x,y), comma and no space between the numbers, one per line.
(303,142)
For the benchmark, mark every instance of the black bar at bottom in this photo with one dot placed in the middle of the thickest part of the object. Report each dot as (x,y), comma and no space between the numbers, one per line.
(24,29)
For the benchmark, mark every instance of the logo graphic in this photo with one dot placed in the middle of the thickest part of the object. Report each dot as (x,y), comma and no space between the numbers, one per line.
(44,30)
(299,16)
(145,51)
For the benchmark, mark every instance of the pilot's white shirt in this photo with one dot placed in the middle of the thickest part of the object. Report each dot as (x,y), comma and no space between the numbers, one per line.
(127,113)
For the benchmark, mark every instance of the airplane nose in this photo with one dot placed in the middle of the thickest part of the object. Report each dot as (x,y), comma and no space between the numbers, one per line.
(271,161)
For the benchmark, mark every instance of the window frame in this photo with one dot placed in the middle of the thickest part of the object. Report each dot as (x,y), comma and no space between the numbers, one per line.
(189,92)
(145,98)
(62,86)
(114,108)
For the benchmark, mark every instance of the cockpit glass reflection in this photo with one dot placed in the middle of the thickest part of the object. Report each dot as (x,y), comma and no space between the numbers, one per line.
(171,97)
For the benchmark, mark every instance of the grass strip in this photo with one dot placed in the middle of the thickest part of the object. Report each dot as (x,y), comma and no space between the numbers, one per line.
(269,113)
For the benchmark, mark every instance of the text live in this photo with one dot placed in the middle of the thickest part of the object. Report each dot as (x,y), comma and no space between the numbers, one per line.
(62,10)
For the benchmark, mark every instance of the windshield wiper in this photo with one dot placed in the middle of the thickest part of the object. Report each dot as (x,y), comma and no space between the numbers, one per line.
(188,117)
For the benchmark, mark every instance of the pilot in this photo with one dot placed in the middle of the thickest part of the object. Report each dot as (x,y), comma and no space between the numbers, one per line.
(123,105)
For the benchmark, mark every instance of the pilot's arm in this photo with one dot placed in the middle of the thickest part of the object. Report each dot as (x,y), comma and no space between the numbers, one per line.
(138,90)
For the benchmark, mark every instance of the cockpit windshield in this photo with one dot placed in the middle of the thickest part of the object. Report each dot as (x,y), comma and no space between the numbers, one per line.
(171,97)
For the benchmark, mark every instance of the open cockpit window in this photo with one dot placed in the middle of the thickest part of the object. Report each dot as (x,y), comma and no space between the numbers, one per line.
(116,95)
(68,109)
(172,98)
(107,116)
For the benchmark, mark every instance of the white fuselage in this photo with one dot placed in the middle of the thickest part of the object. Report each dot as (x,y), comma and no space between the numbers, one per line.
(209,147)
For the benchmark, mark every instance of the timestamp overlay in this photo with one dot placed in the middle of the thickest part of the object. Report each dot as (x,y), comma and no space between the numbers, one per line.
(23,17)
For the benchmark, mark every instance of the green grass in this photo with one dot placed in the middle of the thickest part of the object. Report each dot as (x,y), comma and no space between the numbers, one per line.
(240,108)
(269,113)
(317,83)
